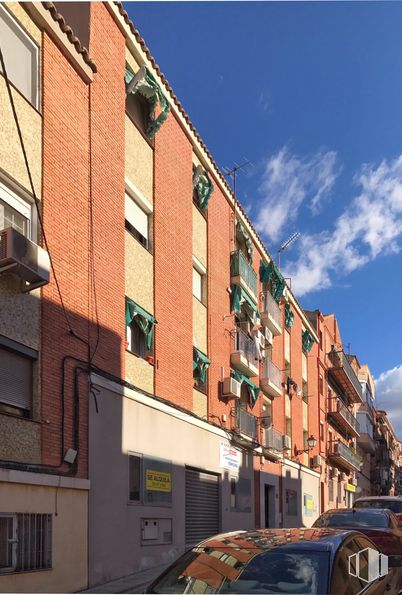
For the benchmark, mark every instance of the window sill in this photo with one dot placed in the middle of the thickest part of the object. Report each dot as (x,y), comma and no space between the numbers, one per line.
(203,213)
(149,250)
(201,391)
(23,96)
(140,357)
(199,301)
(20,417)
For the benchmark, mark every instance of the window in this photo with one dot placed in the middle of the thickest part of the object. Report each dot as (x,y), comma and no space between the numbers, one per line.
(140,328)
(291,502)
(240,494)
(287,346)
(21,57)
(14,211)
(200,370)
(339,495)
(149,480)
(199,281)
(16,375)
(321,431)
(331,490)
(321,385)
(137,108)
(137,222)
(25,542)
(320,339)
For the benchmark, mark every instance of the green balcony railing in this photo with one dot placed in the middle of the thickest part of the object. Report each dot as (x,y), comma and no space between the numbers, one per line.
(239,266)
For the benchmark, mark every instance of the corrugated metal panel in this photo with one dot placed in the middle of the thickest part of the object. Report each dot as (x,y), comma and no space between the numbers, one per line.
(202,505)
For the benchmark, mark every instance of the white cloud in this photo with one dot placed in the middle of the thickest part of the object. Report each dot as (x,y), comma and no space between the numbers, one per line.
(369,226)
(388,396)
(287,182)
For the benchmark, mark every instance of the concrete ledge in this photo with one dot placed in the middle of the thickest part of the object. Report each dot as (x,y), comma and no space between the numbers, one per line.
(43,479)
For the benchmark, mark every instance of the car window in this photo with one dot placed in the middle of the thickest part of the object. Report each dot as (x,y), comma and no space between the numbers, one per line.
(343,581)
(394,505)
(354,518)
(272,571)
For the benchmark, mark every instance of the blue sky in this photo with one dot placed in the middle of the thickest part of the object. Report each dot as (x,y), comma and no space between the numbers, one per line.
(311,93)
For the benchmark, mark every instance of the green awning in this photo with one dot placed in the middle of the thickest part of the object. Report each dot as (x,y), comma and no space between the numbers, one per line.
(270,272)
(307,341)
(242,231)
(203,186)
(253,389)
(200,364)
(240,295)
(149,88)
(145,321)
(289,316)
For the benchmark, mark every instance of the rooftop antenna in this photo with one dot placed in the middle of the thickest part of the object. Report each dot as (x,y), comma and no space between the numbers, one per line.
(232,172)
(293,238)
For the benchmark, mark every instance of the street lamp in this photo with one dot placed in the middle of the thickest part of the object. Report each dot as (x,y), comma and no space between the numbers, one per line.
(311,442)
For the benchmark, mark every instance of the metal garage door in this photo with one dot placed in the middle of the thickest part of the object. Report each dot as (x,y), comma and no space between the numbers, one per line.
(202,505)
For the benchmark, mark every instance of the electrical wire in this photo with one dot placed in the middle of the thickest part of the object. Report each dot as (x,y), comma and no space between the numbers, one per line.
(31,183)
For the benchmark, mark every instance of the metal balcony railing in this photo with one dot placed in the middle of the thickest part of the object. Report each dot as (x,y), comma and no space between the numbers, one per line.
(246,423)
(273,440)
(239,266)
(337,407)
(340,362)
(271,307)
(346,453)
(247,345)
(272,373)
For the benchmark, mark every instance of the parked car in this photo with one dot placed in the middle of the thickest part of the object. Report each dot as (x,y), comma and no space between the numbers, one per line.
(298,561)
(393,503)
(380,525)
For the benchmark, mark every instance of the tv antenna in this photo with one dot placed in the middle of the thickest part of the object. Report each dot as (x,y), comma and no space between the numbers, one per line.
(291,240)
(232,172)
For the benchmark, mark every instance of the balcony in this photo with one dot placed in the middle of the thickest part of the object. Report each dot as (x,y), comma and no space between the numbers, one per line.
(245,357)
(271,379)
(272,443)
(343,456)
(343,374)
(341,414)
(271,314)
(243,274)
(245,426)
(366,442)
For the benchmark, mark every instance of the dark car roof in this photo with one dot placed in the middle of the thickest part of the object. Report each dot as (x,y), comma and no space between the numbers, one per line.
(374,511)
(325,539)
(398,498)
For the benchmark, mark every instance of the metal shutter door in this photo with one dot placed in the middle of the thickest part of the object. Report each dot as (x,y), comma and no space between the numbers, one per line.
(15,379)
(202,505)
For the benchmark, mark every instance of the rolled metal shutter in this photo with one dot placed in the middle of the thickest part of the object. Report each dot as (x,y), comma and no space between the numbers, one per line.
(202,505)
(15,379)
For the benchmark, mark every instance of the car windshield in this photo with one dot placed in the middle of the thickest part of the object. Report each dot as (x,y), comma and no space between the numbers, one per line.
(394,505)
(355,518)
(236,570)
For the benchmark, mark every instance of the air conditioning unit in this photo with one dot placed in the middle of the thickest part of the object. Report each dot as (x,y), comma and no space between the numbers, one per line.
(25,258)
(334,472)
(231,388)
(287,442)
(260,338)
(316,461)
(268,336)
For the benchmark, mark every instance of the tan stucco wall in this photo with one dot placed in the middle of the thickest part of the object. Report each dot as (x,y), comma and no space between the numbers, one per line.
(200,403)
(199,236)
(132,61)
(139,161)
(199,325)
(139,372)
(19,312)
(139,274)
(11,160)
(20,439)
(70,547)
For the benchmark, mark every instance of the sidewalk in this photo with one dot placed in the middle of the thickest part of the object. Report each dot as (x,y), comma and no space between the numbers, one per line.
(132,583)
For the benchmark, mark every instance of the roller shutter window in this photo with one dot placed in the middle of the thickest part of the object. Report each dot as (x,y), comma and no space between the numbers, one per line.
(202,505)
(15,379)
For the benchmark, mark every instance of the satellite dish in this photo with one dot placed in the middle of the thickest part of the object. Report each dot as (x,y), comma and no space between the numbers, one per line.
(136,78)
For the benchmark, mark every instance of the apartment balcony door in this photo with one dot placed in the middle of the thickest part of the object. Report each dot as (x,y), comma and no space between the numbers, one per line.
(269,503)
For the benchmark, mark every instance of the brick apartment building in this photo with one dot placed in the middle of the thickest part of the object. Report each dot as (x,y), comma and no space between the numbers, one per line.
(385,464)
(163,384)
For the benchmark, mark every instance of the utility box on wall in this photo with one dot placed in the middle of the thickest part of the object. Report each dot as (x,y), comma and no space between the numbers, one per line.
(156,531)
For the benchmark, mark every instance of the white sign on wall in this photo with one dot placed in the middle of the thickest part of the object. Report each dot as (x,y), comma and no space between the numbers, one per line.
(229,457)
